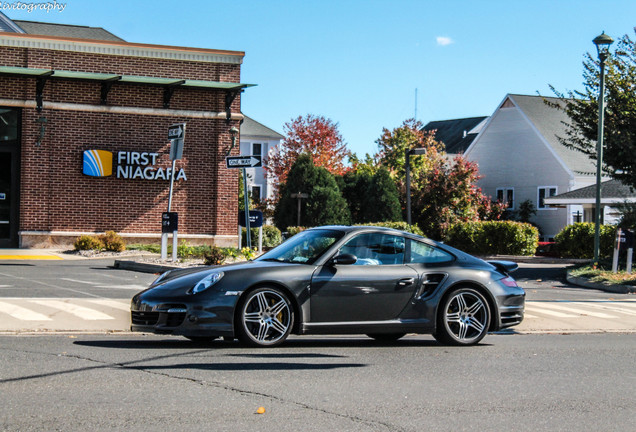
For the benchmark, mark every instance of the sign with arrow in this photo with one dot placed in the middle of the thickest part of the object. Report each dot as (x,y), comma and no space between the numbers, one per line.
(247,161)
(176,131)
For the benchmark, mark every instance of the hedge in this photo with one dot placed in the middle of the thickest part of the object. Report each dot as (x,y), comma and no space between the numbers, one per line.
(271,236)
(402,226)
(577,240)
(494,237)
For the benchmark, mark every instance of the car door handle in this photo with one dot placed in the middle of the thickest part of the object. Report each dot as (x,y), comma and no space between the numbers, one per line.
(406,282)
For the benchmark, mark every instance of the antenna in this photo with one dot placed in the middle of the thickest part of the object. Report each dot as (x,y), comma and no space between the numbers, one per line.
(415,104)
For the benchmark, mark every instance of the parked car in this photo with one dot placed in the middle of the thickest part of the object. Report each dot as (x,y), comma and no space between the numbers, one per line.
(337,280)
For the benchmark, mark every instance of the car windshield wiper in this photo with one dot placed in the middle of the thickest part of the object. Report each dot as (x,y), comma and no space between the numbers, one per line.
(276,260)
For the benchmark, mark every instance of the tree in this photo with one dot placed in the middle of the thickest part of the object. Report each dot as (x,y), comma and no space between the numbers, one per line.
(620,112)
(324,205)
(442,191)
(372,195)
(313,135)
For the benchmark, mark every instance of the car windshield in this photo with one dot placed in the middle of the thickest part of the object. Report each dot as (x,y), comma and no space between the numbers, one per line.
(303,248)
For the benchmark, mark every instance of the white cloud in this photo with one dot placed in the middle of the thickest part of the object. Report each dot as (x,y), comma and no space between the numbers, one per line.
(444,40)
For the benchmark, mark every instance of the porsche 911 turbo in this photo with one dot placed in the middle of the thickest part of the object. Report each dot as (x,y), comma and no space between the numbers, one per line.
(376,281)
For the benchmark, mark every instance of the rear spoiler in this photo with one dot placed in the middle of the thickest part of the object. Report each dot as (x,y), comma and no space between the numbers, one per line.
(505,267)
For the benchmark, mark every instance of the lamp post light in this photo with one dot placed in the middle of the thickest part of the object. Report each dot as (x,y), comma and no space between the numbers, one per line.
(602,43)
(407,163)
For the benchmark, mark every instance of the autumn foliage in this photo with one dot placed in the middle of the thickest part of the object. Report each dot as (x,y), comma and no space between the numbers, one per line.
(314,135)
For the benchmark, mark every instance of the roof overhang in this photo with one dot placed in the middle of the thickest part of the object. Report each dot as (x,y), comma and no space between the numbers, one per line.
(21,40)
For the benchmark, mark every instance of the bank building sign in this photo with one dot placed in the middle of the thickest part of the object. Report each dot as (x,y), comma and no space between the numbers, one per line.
(127,165)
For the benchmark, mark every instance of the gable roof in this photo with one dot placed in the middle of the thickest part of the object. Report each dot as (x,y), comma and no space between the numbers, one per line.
(458,134)
(252,128)
(66,30)
(550,123)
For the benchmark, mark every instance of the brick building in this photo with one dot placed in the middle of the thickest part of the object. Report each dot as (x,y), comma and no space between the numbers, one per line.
(68,102)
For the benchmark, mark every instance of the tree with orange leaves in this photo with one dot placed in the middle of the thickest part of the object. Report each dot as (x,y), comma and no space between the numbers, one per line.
(314,135)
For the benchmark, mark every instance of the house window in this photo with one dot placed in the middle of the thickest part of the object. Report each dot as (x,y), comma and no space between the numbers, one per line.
(545,192)
(257,149)
(256,192)
(506,195)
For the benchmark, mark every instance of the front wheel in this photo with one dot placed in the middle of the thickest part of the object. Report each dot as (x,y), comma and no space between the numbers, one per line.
(265,318)
(463,318)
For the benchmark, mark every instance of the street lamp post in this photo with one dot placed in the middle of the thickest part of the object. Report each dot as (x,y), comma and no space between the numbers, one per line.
(407,163)
(602,43)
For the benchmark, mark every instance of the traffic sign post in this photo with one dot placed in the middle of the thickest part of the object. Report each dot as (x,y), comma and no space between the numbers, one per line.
(243,162)
(247,161)
(176,135)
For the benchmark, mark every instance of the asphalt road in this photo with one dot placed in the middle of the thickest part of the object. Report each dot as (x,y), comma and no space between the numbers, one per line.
(151,383)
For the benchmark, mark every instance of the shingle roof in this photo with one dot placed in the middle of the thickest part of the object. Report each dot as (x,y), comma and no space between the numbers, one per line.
(610,189)
(251,127)
(66,30)
(456,134)
(550,122)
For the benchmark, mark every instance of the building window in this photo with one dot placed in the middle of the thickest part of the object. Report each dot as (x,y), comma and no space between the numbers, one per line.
(545,192)
(506,195)
(256,192)
(257,149)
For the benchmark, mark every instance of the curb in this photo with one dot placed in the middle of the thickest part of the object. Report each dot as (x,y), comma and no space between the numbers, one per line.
(143,267)
(611,288)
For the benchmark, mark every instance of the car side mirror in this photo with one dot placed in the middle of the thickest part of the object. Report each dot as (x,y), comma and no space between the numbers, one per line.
(344,259)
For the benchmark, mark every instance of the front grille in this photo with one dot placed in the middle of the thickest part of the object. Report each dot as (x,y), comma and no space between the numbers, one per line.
(144,318)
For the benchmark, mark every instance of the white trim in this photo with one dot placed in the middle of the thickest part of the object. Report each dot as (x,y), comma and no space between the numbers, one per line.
(62,106)
(574,201)
(121,49)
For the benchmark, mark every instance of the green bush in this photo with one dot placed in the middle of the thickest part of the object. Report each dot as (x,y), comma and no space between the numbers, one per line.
(402,226)
(494,237)
(88,242)
(112,241)
(214,256)
(272,236)
(577,240)
(293,230)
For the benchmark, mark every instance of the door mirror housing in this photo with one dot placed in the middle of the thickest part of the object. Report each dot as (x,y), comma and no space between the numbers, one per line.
(344,259)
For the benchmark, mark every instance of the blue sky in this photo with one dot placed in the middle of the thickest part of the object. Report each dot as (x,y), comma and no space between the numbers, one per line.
(358,62)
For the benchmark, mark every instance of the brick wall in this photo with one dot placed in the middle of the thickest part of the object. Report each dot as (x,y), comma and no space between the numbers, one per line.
(56,196)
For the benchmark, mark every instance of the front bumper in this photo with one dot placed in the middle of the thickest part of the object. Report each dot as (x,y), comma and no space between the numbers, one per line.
(154,315)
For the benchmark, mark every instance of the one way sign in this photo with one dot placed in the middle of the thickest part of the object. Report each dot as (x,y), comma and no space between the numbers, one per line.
(243,161)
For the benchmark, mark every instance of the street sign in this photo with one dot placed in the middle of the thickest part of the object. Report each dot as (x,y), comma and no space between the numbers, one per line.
(176,131)
(176,149)
(169,222)
(256,218)
(247,161)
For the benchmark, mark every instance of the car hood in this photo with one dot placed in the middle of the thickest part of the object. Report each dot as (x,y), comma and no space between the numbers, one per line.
(182,280)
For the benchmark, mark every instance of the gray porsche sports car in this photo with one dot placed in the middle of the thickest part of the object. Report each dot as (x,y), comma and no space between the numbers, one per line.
(337,280)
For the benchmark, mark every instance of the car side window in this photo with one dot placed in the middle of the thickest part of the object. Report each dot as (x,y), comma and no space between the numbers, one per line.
(423,253)
(376,249)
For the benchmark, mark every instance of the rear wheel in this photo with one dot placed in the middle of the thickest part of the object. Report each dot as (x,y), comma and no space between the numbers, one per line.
(265,318)
(386,337)
(463,318)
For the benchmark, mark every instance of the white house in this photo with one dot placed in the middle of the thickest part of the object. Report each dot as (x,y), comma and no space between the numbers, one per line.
(520,158)
(258,140)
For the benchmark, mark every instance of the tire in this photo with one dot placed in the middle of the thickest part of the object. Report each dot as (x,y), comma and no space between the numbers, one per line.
(463,318)
(265,318)
(201,339)
(386,337)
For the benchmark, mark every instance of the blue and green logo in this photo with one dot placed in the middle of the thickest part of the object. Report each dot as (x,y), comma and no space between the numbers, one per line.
(98,163)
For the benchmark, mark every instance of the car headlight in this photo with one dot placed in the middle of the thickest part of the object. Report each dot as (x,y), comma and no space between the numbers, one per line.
(206,282)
